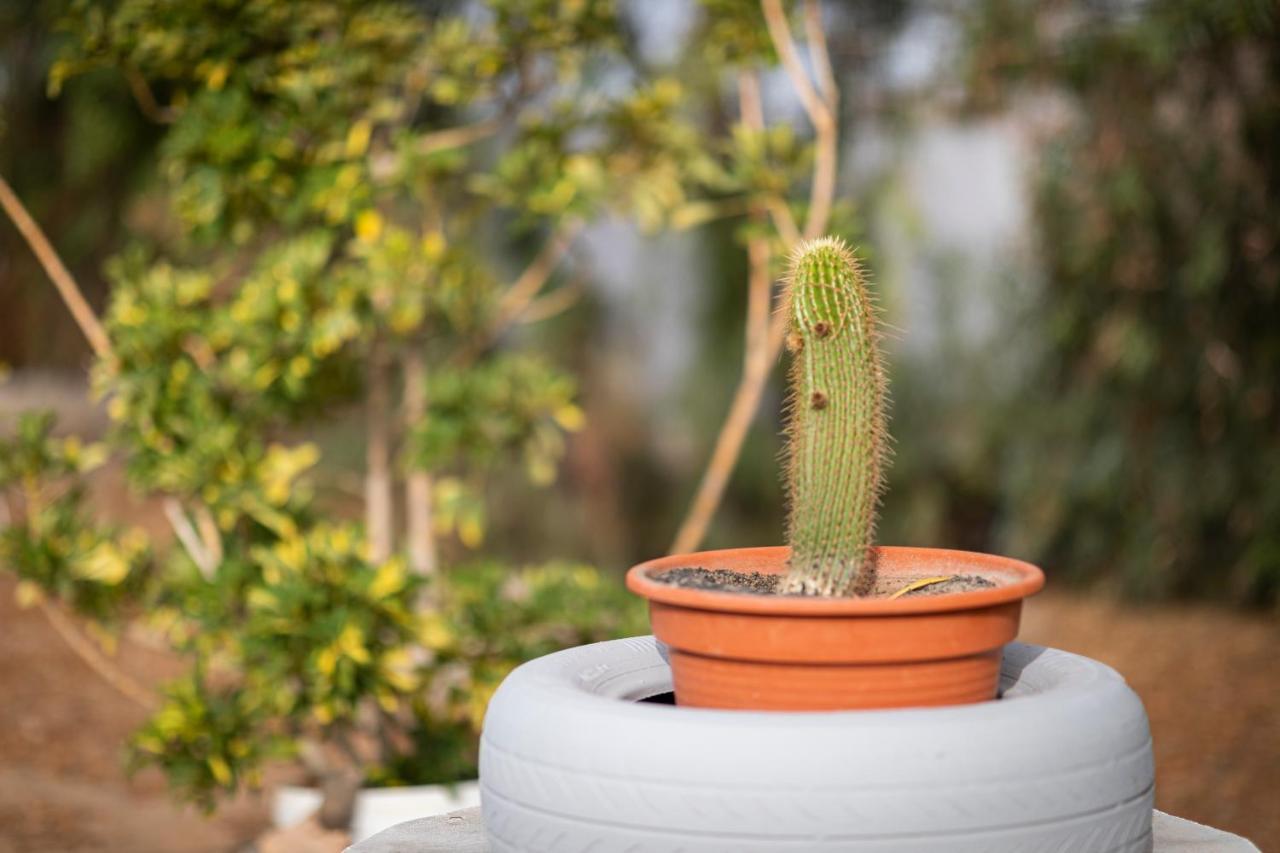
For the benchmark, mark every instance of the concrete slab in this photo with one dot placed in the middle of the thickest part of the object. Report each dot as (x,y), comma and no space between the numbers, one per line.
(462,832)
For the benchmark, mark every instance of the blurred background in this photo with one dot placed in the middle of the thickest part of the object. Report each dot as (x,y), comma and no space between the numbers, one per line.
(1070,211)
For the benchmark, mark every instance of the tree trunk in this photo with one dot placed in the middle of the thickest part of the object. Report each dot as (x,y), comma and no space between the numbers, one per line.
(417,491)
(378,480)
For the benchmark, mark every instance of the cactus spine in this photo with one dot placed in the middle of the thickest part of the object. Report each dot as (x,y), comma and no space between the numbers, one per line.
(837,437)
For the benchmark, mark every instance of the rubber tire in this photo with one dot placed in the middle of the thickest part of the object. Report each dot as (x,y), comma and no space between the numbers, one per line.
(571,762)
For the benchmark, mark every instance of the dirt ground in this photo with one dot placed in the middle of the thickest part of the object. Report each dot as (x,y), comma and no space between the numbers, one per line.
(1209,679)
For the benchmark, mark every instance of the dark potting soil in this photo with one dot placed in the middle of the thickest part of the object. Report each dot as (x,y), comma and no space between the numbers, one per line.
(758,583)
(722,580)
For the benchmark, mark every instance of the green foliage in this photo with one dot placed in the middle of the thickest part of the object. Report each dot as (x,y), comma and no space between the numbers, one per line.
(56,548)
(207,739)
(335,184)
(1144,448)
(338,188)
(328,628)
(494,619)
(837,429)
(510,407)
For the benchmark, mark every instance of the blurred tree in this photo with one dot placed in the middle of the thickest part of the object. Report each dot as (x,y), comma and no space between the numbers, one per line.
(1145,446)
(341,182)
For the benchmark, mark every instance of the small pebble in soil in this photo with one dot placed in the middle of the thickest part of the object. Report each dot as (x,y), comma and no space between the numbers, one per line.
(759,583)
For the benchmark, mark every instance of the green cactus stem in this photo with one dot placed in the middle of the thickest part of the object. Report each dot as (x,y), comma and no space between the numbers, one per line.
(837,439)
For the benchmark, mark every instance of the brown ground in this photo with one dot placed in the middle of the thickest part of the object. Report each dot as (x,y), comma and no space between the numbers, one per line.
(1209,679)
(61,734)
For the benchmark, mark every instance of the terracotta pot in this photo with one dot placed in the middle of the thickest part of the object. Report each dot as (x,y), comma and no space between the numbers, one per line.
(767,652)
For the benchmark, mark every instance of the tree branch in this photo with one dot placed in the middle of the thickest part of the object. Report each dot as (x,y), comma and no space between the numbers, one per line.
(67,288)
(756,361)
(556,302)
(820,109)
(783,220)
(146,99)
(822,191)
(522,291)
(187,535)
(765,338)
(457,137)
(210,538)
(96,660)
(515,301)
(780,34)
(746,401)
(816,37)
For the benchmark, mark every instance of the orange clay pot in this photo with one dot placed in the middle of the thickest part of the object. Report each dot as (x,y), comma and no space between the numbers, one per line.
(800,653)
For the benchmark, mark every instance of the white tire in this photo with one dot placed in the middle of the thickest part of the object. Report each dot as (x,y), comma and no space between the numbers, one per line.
(571,761)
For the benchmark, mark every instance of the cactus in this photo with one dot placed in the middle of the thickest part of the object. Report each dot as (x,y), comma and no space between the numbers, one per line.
(836,431)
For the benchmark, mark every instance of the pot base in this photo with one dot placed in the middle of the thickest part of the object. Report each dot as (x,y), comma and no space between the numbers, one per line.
(709,682)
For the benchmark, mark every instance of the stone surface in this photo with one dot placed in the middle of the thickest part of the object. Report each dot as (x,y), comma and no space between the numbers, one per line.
(461,832)
(455,832)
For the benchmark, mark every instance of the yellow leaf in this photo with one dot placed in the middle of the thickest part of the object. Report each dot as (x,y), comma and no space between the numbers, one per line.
(292,553)
(150,743)
(586,577)
(471,532)
(104,564)
(479,703)
(389,579)
(358,138)
(692,214)
(218,767)
(217,77)
(434,633)
(327,661)
(368,226)
(92,456)
(261,599)
(264,376)
(27,594)
(397,668)
(541,471)
(570,417)
(340,541)
(169,721)
(433,245)
(351,641)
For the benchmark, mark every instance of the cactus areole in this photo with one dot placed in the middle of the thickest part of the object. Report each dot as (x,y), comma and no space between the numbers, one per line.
(836,431)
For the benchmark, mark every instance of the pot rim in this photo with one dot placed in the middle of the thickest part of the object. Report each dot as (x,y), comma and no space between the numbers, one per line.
(1028,580)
